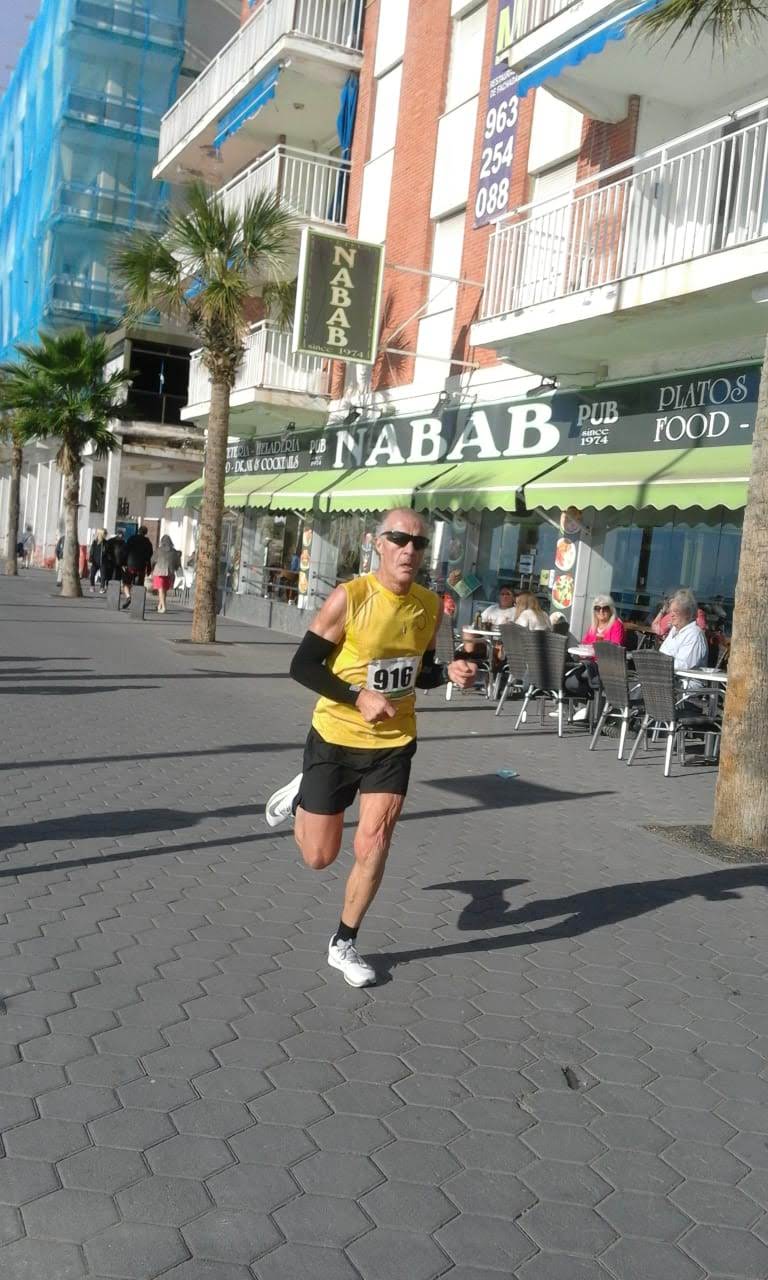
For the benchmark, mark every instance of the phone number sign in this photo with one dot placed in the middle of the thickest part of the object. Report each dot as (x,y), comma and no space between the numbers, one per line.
(499,130)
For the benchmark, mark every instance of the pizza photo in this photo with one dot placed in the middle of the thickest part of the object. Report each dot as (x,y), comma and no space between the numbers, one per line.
(565,554)
(562,591)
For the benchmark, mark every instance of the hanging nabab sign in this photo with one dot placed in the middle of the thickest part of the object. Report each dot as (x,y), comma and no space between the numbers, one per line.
(338,297)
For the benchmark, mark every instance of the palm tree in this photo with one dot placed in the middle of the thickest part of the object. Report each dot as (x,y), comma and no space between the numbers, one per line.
(203,269)
(741,797)
(58,389)
(12,433)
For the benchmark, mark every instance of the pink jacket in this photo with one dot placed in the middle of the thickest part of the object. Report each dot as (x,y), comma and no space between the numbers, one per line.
(613,635)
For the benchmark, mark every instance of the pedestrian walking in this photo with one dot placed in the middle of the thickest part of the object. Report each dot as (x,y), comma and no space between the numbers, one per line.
(112,557)
(164,568)
(95,556)
(138,558)
(26,547)
(370,647)
(59,554)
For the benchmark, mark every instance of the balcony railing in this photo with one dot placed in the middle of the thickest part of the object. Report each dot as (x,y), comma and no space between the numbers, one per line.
(113,112)
(77,295)
(333,22)
(698,195)
(268,363)
(528,15)
(100,204)
(314,188)
(129,17)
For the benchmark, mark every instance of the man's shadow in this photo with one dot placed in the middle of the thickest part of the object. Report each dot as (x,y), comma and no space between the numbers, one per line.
(489,909)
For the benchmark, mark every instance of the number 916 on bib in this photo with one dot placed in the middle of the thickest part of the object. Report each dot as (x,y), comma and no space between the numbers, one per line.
(394,677)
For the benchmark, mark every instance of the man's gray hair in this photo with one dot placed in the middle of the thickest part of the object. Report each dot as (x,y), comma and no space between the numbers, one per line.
(685,601)
(400,511)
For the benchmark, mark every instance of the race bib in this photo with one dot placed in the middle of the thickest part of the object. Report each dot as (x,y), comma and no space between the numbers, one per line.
(394,677)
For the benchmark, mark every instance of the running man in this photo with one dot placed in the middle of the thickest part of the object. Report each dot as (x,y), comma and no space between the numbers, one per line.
(370,647)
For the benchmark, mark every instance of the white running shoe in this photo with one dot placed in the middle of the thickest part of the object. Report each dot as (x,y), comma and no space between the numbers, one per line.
(581,714)
(279,806)
(346,957)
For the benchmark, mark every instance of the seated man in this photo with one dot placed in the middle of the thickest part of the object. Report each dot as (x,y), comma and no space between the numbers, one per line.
(685,642)
(495,616)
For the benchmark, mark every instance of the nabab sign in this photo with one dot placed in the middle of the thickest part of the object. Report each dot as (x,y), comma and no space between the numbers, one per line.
(338,297)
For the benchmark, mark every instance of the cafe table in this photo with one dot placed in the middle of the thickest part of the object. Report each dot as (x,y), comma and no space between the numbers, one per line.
(710,675)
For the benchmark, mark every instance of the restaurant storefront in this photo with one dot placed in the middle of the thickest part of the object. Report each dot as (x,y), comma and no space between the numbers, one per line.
(633,488)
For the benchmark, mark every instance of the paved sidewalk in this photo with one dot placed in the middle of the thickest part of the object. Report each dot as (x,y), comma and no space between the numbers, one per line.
(187,1091)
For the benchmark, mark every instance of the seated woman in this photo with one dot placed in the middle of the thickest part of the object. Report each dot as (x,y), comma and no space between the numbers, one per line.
(583,681)
(529,613)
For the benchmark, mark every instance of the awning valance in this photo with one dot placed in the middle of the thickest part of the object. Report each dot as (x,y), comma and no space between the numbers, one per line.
(383,488)
(190,496)
(306,491)
(708,477)
(478,486)
(262,92)
(588,42)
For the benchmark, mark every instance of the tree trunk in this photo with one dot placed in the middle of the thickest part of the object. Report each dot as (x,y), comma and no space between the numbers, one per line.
(741,798)
(70,564)
(209,540)
(14,504)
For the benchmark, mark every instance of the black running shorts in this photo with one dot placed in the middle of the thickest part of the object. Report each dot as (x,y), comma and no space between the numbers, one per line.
(332,775)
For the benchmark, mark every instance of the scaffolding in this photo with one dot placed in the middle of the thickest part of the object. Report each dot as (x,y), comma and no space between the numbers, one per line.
(79,126)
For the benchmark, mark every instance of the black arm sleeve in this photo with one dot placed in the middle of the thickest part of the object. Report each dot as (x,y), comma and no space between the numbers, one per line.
(308,668)
(432,673)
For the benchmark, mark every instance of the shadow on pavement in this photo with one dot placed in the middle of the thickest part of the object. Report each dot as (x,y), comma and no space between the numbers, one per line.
(585,911)
(64,689)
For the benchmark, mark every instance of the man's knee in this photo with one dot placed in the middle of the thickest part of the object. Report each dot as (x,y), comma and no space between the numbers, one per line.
(318,858)
(371,849)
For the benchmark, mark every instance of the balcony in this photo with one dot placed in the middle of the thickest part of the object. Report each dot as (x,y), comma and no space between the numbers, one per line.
(71,298)
(670,243)
(311,46)
(104,109)
(132,18)
(313,187)
(106,206)
(594,54)
(273,385)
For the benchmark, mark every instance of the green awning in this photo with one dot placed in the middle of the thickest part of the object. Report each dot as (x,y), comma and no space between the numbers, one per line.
(479,486)
(704,477)
(307,491)
(383,488)
(190,496)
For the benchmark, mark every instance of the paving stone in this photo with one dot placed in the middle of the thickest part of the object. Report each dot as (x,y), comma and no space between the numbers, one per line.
(728,1251)
(563,1142)
(272,1144)
(408,1207)
(69,1215)
(491,1151)
(135,1253)
(25,1259)
(299,1261)
(638,1171)
(102,1169)
(568,1182)
(480,1240)
(46,1139)
(211,1118)
(132,1128)
(330,1221)
(710,1202)
(701,1160)
(635,1213)
(555,1266)
(230,1235)
(156,1095)
(636,1259)
(567,1227)
(328,1174)
(165,1201)
(416,1162)
(24,1180)
(384,1253)
(497,1194)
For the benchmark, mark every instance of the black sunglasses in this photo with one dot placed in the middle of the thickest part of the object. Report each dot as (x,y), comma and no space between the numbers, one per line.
(399,538)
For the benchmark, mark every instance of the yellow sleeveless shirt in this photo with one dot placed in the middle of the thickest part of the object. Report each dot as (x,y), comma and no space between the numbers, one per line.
(385,638)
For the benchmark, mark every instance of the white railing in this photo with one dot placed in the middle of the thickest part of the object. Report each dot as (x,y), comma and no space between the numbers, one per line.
(528,15)
(684,200)
(268,363)
(333,22)
(312,187)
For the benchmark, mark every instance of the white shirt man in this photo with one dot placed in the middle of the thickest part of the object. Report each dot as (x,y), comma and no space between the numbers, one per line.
(688,646)
(503,613)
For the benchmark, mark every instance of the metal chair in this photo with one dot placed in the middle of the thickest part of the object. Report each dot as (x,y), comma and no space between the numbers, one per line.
(620,701)
(663,709)
(515,667)
(545,658)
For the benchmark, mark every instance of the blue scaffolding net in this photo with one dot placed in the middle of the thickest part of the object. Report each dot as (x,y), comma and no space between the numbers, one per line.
(79,125)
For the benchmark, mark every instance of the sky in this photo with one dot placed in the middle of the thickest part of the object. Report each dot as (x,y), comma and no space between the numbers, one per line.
(15,21)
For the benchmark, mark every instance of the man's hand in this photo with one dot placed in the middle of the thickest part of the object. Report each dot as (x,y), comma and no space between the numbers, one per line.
(374,707)
(462,673)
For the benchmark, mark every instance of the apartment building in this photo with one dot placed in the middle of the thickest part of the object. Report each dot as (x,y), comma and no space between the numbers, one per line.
(574,220)
(79,129)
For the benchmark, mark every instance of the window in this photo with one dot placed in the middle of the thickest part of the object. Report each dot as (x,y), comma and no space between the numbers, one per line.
(466,67)
(555,132)
(386,112)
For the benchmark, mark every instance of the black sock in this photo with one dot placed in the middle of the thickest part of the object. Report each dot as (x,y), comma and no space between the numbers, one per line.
(344,933)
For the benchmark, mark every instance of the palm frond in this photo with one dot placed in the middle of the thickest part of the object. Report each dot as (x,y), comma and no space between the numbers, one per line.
(722,20)
(152,276)
(279,297)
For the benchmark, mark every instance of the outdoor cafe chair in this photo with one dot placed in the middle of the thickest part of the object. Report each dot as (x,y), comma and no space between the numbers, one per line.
(665,710)
(445,648)
(545,659)
(620,701)
(515,661)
